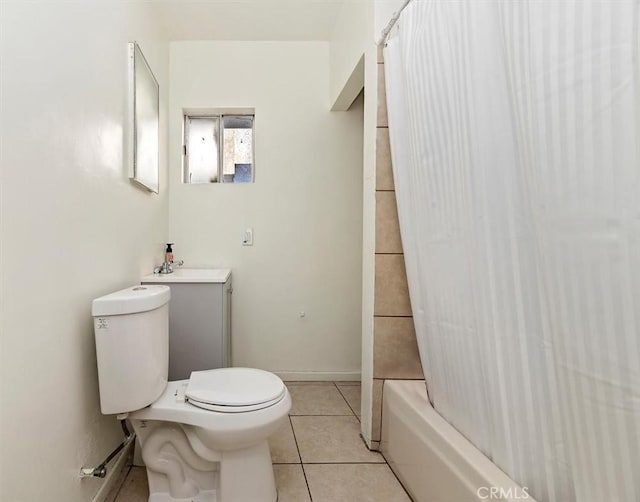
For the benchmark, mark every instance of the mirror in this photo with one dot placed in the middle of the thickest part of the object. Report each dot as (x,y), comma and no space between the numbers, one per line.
(144,110)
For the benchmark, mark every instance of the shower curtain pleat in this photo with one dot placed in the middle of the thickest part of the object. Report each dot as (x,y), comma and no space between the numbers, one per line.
(515,140)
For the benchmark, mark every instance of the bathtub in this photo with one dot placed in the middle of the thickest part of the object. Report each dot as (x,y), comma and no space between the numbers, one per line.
(434,462)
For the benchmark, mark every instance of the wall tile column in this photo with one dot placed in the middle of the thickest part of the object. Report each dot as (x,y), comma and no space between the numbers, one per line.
(395,347)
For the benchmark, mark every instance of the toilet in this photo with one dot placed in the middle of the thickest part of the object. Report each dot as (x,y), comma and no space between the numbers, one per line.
(203,439)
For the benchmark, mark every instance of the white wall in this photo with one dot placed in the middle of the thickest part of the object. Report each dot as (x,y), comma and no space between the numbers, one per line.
(357,31)
(357,27)
(73,228)
(350,34)
(274,20)
(354,61)
(368,234)
(352,67)
(305,206)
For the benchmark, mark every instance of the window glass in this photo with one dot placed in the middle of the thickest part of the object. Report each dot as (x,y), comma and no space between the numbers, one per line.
(202,150)
(238,149)
(218,149)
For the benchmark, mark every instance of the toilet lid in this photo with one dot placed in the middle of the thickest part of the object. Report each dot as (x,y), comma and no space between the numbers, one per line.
(234,387)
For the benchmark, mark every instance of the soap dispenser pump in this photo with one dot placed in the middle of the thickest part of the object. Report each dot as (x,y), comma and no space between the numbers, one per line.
(168,254)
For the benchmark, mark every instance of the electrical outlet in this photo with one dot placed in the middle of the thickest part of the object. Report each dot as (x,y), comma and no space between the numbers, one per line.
(247,240)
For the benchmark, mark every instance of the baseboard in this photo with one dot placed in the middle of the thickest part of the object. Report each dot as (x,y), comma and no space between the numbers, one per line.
(318,376)
(116,472)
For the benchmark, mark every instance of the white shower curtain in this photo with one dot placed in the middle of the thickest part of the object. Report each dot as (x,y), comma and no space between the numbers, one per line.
(515,139)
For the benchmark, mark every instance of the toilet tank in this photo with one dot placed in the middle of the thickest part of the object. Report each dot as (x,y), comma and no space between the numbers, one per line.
(131,327)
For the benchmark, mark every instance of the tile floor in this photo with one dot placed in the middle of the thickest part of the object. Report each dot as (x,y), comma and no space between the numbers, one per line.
(318,455)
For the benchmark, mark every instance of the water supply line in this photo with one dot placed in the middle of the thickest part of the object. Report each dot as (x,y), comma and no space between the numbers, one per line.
(101,470)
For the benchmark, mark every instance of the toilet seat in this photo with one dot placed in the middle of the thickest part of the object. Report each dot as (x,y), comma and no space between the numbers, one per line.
(172,406)
(234,390)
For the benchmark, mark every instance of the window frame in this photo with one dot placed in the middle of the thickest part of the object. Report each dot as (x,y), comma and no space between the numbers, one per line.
(220,116)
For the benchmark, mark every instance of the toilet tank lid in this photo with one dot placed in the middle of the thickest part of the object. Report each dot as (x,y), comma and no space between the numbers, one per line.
(131,300)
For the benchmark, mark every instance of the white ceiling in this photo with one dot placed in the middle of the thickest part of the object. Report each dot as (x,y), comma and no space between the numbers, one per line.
(248,19)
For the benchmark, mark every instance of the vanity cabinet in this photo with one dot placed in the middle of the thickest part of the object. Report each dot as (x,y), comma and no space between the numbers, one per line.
(199,319)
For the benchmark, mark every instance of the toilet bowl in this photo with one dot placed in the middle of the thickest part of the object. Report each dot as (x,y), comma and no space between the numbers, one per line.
(203,439)
(201,454)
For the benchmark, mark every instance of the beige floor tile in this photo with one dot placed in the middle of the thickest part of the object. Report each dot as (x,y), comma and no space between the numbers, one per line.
(121,477)
(317,400)
(354,482)
(352,394)
(291,484)
(283,446)
(135,487)
(331,439)
(347,382)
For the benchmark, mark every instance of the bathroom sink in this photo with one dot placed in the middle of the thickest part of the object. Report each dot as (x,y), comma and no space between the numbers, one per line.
(190,275)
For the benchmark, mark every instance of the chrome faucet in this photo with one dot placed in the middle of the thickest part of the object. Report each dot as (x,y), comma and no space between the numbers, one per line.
(167,267)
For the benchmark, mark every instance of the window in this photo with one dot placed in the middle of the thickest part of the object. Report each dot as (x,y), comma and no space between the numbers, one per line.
(218,148)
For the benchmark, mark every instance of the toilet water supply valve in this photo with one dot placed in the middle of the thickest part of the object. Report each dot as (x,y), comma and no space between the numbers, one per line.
(93,472)
(101,470)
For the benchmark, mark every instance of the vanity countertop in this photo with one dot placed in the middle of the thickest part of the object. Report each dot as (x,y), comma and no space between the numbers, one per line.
(191,275)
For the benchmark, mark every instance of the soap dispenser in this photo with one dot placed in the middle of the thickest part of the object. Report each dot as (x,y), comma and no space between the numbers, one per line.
(168,254)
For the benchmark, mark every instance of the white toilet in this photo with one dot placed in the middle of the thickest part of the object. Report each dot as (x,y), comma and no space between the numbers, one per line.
(203,439)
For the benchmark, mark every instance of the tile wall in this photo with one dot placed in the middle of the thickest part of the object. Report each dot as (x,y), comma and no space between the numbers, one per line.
(395,348)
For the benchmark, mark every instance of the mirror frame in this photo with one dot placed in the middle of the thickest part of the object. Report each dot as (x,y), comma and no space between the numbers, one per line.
(144,118)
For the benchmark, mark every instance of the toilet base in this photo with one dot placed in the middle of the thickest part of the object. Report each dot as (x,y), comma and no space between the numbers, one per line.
(176,473)
(247,475)
(205,496)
